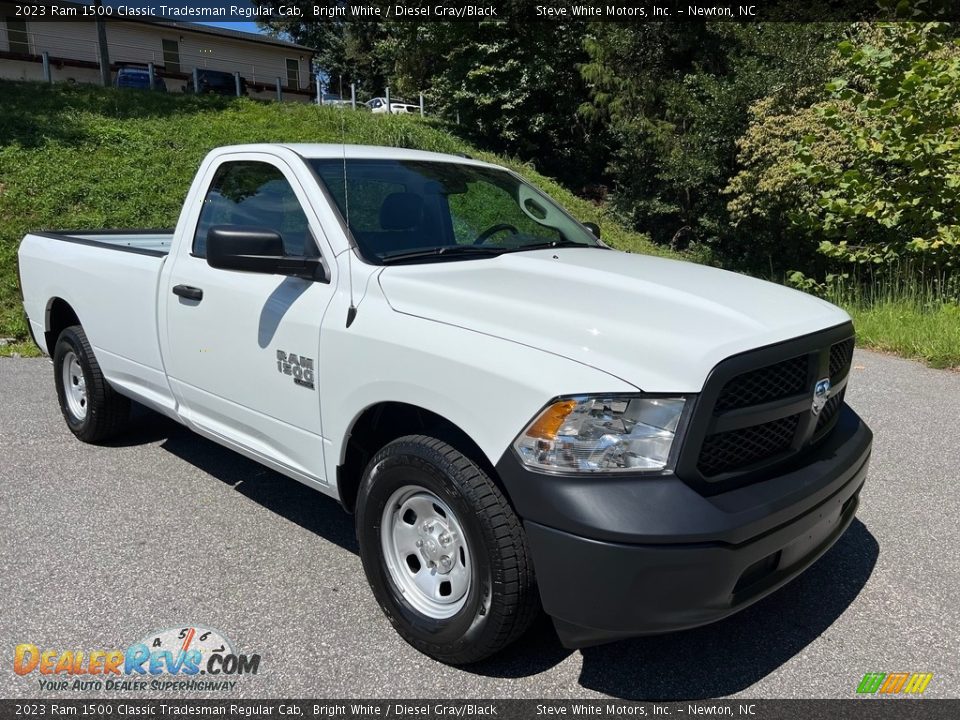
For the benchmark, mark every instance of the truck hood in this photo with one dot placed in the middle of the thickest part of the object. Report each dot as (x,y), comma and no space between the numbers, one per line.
(658,324)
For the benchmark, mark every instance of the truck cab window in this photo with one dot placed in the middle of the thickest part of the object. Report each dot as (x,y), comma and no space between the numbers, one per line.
(254,194)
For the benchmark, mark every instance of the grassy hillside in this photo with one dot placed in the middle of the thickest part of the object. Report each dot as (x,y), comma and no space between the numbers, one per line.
(87,157)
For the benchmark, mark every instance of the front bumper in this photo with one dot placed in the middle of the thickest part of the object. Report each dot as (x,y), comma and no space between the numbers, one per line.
(618,557)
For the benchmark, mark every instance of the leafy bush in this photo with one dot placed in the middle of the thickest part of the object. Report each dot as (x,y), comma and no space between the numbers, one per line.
(768,196)
(861,179)
(894,191)
(676,98)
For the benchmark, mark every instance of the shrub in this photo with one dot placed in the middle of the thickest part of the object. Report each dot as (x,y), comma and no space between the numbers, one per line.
(893,193)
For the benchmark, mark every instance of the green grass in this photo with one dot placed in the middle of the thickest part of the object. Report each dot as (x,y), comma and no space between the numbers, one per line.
(21,348)
(88,157)
(931,335)
(906,317)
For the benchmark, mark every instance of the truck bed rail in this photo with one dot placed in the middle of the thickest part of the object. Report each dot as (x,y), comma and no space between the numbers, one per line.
(155,242)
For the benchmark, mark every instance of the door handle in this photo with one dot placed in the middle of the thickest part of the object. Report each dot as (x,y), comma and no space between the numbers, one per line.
(188,291)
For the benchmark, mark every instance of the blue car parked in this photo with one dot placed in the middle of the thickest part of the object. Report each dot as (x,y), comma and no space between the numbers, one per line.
(138,78)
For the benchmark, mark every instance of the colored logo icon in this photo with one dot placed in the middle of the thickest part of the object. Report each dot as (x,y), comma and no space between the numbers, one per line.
(894,683)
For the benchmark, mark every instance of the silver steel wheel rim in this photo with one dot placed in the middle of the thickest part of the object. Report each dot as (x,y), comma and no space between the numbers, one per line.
(426,552)
(74,385)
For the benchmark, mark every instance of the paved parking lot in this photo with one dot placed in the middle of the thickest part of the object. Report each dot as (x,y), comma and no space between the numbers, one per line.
(100,546)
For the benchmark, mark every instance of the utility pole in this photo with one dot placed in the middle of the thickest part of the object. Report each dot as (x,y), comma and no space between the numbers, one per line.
(102,50)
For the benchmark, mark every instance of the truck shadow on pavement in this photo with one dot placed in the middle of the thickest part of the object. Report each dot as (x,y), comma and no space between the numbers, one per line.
(311,510)
(708,662)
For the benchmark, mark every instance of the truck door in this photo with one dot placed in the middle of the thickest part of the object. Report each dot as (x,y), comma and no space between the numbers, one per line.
(242,347)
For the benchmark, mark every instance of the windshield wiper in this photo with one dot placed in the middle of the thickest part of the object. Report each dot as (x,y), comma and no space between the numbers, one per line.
(551,244)
(446,250)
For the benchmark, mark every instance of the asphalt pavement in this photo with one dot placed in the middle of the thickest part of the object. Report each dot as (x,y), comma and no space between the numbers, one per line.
(102,546)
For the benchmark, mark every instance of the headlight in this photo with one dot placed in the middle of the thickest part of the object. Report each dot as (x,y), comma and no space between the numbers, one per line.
(602,434)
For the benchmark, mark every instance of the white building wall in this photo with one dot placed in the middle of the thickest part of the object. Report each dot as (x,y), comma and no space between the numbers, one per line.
(74,40)
(21,70)
(142,43)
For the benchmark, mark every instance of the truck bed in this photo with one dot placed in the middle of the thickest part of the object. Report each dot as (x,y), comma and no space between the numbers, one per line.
(147,242)
(110,279)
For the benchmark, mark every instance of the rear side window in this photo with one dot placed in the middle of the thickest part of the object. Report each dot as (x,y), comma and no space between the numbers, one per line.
(133,78)
(367,198)
(254,194)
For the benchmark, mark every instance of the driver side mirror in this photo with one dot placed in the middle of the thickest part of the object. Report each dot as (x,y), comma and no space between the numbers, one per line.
(594,228)
(259,250)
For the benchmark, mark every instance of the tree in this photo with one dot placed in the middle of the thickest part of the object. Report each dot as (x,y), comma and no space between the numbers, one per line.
(895,107)
(862,177)
(346,50)
(515,86)
(676,98)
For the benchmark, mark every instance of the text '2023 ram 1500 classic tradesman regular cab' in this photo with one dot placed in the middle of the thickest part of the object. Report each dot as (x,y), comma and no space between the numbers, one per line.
(515,413)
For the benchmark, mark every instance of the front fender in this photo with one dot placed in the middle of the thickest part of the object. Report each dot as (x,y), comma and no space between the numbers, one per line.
(489,387)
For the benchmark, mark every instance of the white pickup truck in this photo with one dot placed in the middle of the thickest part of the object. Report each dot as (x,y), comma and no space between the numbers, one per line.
(516,414)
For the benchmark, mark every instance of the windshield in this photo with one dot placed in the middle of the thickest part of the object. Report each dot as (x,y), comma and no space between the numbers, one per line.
(415,210)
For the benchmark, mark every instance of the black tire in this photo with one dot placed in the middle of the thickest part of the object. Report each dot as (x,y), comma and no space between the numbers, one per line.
(107,411)
(502,600)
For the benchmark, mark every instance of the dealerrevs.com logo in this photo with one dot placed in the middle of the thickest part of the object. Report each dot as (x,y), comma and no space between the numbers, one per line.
(189,658)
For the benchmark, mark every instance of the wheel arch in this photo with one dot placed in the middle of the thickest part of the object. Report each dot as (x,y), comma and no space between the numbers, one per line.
(58,316)
(383,422)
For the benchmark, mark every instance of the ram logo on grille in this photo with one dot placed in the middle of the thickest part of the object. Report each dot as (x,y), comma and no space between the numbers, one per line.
(821,393)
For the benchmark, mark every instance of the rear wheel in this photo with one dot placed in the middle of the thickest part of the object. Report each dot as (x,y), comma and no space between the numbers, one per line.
(443,551)
(93,410)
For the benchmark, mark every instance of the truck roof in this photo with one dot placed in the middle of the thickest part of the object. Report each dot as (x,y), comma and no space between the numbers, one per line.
(355,152)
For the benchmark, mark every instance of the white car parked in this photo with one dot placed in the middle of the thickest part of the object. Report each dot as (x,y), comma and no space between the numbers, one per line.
(516,414)
(379,105)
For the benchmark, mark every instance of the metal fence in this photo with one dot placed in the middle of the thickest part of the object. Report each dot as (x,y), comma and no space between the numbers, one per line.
(75,59)
(384,103)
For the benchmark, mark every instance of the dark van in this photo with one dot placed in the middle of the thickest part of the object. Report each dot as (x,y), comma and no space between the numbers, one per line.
(216,82)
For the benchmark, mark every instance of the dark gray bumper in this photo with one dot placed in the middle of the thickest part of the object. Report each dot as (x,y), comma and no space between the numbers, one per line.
(618,557)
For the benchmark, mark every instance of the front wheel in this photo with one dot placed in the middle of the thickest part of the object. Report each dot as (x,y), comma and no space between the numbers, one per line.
(94,411)
(443,551)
